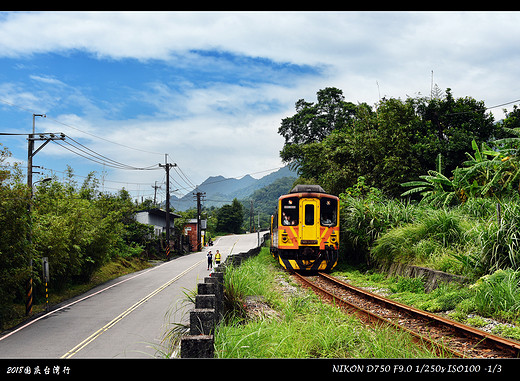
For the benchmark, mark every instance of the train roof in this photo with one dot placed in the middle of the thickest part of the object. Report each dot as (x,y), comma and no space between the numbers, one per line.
(304,188)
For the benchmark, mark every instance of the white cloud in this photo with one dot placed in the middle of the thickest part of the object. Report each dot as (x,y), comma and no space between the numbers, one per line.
(366,54)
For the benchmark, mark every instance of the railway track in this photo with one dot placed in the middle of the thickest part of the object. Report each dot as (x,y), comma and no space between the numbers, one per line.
(446,336)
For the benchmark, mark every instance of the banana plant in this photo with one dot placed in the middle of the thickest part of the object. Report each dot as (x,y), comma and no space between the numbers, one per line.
(492,172)
(435,188)
(480,175)
(487,173)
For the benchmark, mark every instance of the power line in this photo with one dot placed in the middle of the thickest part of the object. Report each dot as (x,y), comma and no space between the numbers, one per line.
(77,129)
(105,180)
(503,104)
(89,154)
(81,150)
(182,176)
(484,108)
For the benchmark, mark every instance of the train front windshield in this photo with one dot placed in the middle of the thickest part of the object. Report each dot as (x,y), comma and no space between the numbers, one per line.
(290,211)
(329,212)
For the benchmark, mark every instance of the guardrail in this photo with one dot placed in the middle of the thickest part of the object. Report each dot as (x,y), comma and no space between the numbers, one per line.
(209,308)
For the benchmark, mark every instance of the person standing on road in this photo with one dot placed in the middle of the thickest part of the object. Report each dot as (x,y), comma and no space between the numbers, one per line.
(210,260)
(217,258)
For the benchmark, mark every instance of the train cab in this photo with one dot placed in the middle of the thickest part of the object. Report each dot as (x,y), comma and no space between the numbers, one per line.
(305,229)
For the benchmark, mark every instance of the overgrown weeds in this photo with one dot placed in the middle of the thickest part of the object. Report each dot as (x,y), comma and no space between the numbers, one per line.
(498,294)
(471,239)
(305,326)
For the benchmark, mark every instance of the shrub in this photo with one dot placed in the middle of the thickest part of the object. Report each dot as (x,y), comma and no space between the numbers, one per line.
(365,219)
(421,240)
(498,293)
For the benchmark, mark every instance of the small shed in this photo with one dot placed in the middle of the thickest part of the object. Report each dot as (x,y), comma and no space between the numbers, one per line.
(190,229)
(156,218)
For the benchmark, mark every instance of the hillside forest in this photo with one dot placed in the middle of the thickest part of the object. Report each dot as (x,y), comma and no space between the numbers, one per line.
(433,181)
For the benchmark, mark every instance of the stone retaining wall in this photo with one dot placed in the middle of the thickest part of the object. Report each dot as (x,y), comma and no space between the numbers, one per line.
(432,278)
(209,308)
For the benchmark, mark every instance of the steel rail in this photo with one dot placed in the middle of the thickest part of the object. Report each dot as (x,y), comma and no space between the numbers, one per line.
(488,339)
(375,319)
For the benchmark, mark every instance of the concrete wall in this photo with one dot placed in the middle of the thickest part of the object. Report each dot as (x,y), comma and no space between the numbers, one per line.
(209,308)
(432,278)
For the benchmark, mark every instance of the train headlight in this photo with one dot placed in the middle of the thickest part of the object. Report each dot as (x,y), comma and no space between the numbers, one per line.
(285,237)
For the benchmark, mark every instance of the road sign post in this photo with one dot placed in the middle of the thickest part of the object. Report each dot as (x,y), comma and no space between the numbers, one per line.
(45,269)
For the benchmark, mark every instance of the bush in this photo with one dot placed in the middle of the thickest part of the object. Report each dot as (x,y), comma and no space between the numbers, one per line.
(498,294)
(418,242)
(365,219)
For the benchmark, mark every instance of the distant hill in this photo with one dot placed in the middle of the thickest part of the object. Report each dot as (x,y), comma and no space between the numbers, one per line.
(221,190)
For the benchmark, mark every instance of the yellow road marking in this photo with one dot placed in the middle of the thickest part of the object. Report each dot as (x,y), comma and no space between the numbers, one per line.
(98,333)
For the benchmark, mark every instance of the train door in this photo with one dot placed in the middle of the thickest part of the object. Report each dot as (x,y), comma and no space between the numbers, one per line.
(310,222)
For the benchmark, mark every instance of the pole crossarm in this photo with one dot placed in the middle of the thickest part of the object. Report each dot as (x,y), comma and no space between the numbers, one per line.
(46,138)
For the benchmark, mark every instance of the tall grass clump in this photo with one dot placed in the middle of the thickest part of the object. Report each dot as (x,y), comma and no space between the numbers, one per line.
(366,214)
(493,238)
(472,239)
(252,277)
(500,239)
(498,294)
(428,239)
(303,327)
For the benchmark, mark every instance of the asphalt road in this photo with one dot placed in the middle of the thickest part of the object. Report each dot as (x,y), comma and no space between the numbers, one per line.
(124,318)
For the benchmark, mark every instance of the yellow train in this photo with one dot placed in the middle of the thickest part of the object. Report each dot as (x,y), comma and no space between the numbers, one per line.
(305,229)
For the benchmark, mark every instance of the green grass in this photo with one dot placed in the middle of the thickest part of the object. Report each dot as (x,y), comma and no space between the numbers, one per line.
(495,296)
(498,294)
(303,327)
(110,270)
(473,239)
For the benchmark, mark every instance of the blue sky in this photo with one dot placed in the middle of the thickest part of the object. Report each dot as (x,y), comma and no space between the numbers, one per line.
(210,88)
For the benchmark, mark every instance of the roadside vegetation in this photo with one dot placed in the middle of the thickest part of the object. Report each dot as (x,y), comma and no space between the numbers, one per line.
(87,235)
(427,181)
(273,318)
(269,316)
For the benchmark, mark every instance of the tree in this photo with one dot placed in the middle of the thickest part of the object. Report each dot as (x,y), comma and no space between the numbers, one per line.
(313,122)
(456,123)
(15,250)
(79,229)
(229,217)
(396,141)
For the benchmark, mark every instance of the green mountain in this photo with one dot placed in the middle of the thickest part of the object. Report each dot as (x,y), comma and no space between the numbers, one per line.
(220,190)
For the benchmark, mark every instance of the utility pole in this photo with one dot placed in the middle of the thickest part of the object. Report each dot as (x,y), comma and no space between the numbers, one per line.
(30,154)
(199,196)
(167,167)
(251,217)
(155,187)
(31,138)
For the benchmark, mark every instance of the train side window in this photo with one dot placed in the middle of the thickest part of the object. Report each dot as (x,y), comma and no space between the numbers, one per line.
(289,212)
(329,212)
(309,214)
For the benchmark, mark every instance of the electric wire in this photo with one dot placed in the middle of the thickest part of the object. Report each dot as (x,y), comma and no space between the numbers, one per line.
(105,159)
(89,154)
(77,129)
